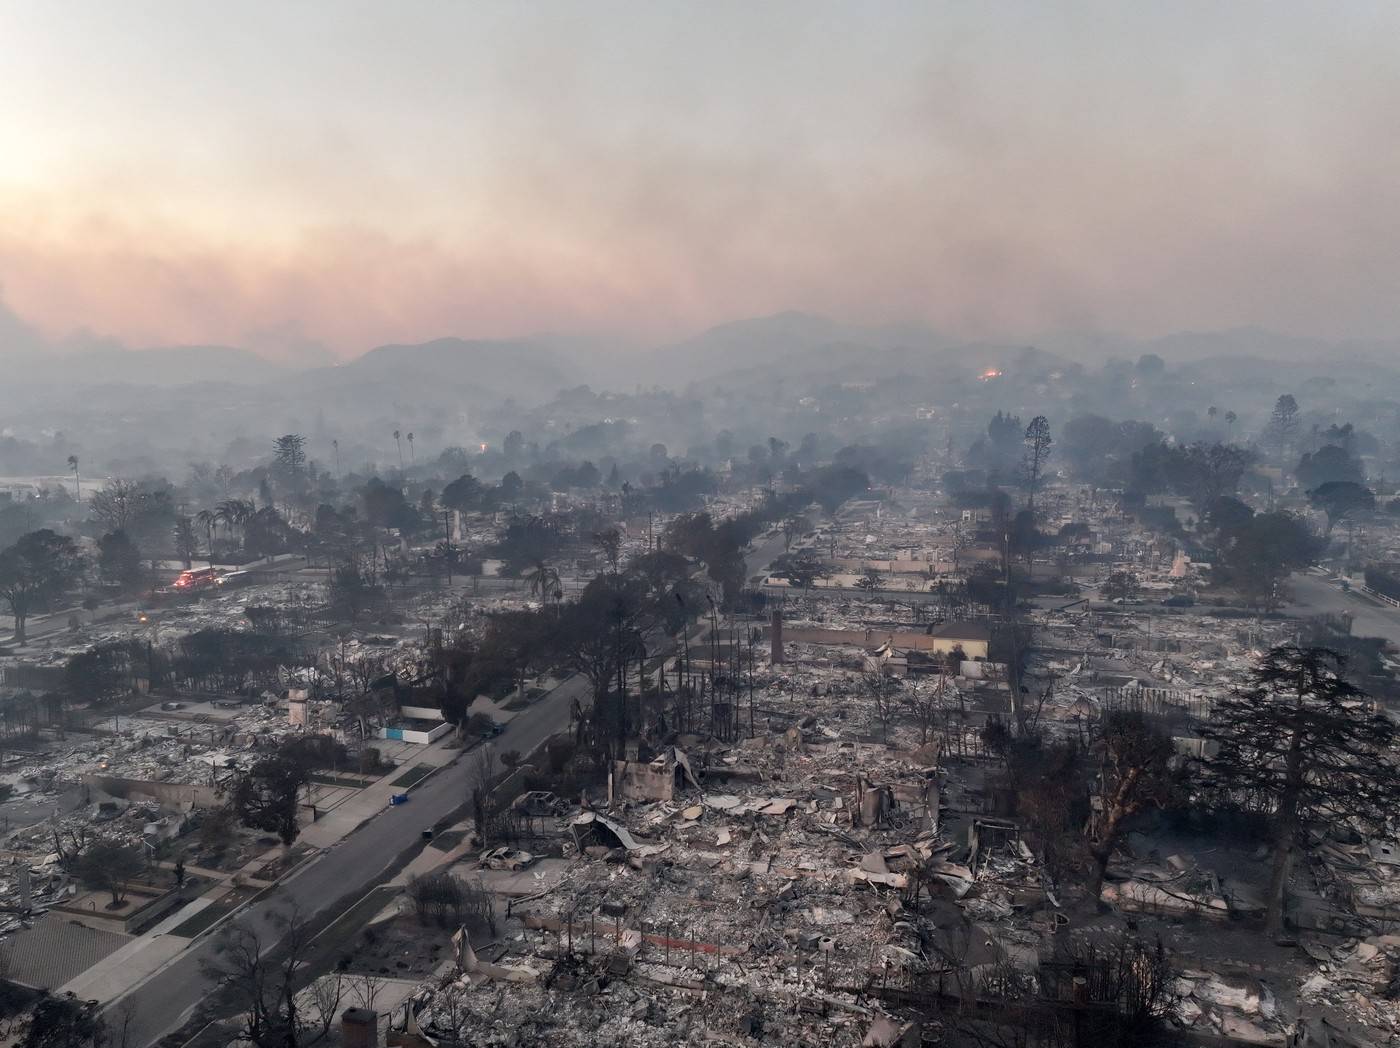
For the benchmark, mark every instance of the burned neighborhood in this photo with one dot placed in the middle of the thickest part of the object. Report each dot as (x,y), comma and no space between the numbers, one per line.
(786,524)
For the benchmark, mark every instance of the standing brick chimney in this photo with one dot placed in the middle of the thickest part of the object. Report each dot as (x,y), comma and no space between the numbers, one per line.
(359,1028)
(776,637)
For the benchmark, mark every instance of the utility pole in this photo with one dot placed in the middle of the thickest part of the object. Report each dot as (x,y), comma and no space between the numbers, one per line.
(447,543)
(751,676)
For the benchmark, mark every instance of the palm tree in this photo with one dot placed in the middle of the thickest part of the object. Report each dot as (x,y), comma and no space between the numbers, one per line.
(411,457)
(208,520)
(234,513)
(223,515)
(335,445)
(1230,417)
(400,446)
(77,481)
(544,582)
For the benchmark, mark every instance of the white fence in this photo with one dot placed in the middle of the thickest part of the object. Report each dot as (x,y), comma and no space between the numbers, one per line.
(1380,596)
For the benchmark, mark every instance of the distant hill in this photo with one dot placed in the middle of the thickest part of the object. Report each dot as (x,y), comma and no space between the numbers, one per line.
(526,370)
(802,346)
(533,370)
(744,346)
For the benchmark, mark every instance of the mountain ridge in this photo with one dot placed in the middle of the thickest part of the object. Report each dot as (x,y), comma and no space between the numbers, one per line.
(787,339)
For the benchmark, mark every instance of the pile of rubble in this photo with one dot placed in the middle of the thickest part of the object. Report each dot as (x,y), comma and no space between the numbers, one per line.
(1359,979)
(760,891)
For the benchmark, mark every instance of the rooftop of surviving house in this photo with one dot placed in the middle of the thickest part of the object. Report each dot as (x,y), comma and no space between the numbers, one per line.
(971,631)
(55,949)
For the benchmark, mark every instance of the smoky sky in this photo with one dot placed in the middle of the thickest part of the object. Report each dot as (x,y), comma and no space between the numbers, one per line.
(340,175)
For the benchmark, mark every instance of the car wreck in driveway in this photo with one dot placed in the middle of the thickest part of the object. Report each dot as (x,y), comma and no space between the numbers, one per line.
(505,858)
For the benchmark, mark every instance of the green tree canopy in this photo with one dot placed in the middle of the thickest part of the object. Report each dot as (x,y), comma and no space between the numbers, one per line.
(35,570)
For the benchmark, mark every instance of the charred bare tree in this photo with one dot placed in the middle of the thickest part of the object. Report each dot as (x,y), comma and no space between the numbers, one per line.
(927,705)
(483,777)
(257,970)
(365,989)
(1037,441)
(1048,781)
(1137,771)
(326,995)
(882,690)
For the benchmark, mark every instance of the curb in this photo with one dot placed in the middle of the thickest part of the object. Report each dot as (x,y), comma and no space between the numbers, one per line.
(262,895)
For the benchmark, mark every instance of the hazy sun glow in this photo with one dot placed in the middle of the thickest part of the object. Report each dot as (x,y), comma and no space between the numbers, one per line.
(345,174)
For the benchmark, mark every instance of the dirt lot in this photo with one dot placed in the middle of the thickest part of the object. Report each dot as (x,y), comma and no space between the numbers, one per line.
(400,948)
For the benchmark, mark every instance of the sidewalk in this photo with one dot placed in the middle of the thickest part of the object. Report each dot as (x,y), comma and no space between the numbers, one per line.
(432,859)
(347,816)
(119,971)
(148,953)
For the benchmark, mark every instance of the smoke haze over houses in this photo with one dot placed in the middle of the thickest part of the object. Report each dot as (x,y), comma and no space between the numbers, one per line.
(889,509)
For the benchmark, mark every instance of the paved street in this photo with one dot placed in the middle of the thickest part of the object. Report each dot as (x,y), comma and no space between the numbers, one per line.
(166,1000)
(762,553)
(1313,594)
(53,623)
